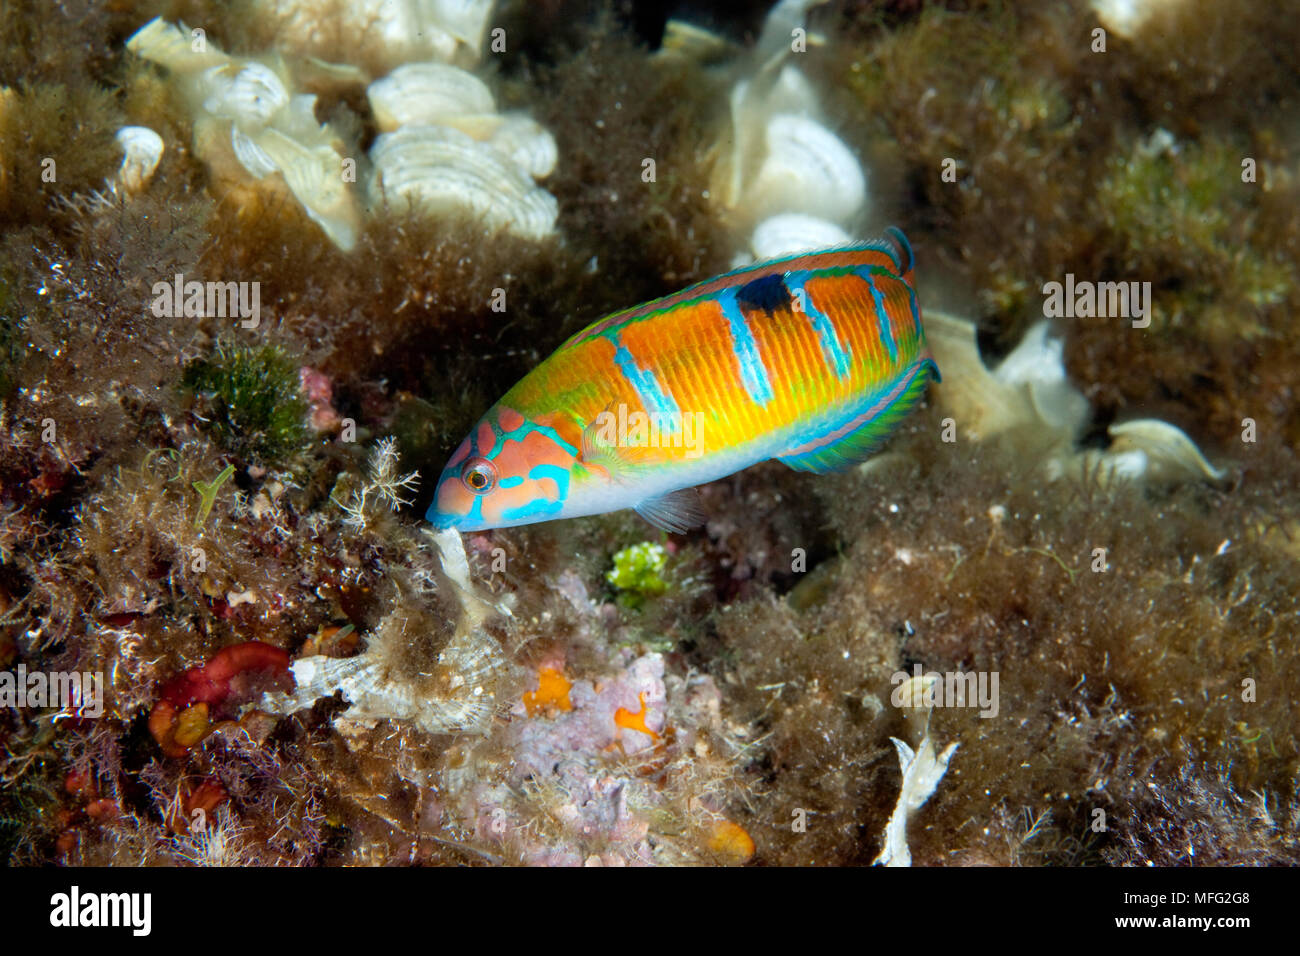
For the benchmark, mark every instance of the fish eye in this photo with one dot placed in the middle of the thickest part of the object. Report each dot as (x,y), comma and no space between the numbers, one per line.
(479,475)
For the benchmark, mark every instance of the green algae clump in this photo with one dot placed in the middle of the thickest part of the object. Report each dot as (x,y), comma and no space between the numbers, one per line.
(638,572)
(256,409)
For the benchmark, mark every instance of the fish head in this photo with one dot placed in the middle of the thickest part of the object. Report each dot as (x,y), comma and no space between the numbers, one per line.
(510,470)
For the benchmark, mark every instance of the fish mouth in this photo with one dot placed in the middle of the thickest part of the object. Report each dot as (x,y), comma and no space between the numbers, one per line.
(441,520)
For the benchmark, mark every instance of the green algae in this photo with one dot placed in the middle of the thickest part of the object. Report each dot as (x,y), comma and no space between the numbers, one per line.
(256,409)
(638,572)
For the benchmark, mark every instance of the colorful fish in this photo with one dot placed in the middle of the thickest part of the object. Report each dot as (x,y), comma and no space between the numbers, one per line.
(811,359)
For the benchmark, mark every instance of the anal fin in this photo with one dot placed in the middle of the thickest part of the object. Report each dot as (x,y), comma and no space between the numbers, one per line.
(676,512)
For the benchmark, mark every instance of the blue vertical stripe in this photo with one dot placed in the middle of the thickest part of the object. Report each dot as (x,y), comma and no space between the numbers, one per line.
(646,386)
(833,352)
(753,373)
(882,319)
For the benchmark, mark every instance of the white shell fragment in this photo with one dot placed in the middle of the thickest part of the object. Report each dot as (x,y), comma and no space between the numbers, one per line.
(980,404)
(458,695)
(250,155)
(1038,363)
(922,771)
(685,39)
(1029,392)
(1128,18)
(462,701)
(792,93)
(428,93)
(1169,455)
(312,174)
(249,94)
(169,46)
(781,21)
(776,157)
(455,565)
(807,168)
(528,145)
(434,94)
(251,106)
(443,171)
(387,32)
(446,151)
(791,232)
(142,150)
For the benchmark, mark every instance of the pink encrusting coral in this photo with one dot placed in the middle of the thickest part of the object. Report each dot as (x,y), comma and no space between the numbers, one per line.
(604,783)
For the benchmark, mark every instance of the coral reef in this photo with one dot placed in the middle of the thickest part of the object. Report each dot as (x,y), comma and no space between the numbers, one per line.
(217,511)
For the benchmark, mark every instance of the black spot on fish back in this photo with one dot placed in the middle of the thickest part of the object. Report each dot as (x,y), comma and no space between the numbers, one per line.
(768,293)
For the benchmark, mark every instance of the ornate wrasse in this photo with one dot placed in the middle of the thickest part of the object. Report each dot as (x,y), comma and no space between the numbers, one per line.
(811,359)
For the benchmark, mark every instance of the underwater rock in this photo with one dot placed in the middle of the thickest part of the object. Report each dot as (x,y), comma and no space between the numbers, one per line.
(249,105)
(161,501)
(591,777)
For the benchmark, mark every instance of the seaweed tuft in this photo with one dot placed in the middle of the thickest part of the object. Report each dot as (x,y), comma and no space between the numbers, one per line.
(254,407)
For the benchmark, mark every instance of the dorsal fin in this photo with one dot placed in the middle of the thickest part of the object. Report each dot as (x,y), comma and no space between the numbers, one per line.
(891,253)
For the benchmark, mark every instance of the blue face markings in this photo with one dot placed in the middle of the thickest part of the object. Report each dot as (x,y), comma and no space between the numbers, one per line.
(882,317)
(535,510)
(833,352)
(542,507)
(753,373)
(522,432)
(443,522)
(557,474)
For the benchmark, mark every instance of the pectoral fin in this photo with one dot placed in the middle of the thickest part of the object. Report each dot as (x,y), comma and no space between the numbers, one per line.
(676,512)
(601,448)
